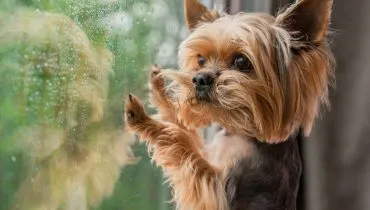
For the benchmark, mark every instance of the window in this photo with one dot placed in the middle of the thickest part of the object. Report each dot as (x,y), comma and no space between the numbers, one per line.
(65,67)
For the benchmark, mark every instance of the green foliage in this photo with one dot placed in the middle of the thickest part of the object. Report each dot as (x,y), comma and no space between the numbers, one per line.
(65,66)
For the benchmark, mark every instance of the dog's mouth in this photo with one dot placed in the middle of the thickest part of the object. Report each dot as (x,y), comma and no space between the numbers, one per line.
(203,94)
(203,83)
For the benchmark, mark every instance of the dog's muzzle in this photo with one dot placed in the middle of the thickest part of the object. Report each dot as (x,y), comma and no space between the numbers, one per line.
(203,82)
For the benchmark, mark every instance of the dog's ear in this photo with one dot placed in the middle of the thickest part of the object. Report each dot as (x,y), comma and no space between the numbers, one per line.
(307,20)
(196,13)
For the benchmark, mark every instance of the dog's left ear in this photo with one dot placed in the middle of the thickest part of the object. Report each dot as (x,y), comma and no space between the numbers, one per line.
(196,13)
(307,20)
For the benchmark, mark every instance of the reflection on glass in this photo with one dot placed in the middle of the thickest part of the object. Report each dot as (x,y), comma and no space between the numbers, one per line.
(65,66)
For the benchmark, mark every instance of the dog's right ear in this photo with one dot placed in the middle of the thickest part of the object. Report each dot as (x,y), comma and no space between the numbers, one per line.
(196,13)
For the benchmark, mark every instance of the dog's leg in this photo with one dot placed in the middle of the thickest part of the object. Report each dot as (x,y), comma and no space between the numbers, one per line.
(196,184)
(160,98)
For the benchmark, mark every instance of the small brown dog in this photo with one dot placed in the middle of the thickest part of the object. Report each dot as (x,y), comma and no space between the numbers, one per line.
(261,78)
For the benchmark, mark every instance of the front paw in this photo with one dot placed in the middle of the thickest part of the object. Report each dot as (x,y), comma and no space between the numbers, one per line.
(156,80)
(134,112)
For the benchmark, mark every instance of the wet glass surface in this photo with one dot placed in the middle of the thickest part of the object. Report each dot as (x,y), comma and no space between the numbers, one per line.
(65,67)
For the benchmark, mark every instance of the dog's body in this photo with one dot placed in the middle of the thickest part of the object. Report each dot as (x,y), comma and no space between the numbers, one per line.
(263,176)
(262,79)
(268,179)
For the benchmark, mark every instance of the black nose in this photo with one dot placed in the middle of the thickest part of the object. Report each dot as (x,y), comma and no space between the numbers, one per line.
(202,80)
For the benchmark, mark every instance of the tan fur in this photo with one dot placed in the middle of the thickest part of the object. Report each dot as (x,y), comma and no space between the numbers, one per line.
(195,182)
(159,98)
(282,93)
(196,172)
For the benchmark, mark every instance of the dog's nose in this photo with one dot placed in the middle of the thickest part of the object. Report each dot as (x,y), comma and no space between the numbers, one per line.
(202,80)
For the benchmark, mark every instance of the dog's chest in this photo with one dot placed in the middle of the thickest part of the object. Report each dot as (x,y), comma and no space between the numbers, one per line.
(224,151)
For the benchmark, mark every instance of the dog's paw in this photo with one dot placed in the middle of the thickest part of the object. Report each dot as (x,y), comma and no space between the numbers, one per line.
(156,80)
(134,111)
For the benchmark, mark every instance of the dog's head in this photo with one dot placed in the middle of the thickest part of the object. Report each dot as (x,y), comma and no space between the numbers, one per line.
(256,74)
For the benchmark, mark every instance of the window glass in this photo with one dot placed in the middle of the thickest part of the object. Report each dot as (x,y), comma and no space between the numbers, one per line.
(65,67)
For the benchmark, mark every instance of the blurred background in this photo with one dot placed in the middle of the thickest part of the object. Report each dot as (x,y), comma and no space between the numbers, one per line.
(66,65)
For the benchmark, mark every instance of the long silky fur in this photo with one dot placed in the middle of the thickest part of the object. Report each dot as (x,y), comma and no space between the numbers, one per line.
(178,151)
(282,95)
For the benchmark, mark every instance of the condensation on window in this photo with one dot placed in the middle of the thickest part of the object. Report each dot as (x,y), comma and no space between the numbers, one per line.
(65,67)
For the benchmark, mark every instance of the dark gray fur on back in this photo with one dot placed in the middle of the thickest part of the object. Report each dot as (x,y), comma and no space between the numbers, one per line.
(268,180)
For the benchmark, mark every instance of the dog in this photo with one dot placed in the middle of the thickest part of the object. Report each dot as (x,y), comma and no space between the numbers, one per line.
(262,78)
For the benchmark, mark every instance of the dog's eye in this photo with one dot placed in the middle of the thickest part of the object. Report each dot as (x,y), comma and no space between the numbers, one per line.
(201,60)
(242,63)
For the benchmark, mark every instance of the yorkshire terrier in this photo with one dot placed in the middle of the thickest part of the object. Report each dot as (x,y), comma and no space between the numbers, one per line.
(262,79)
